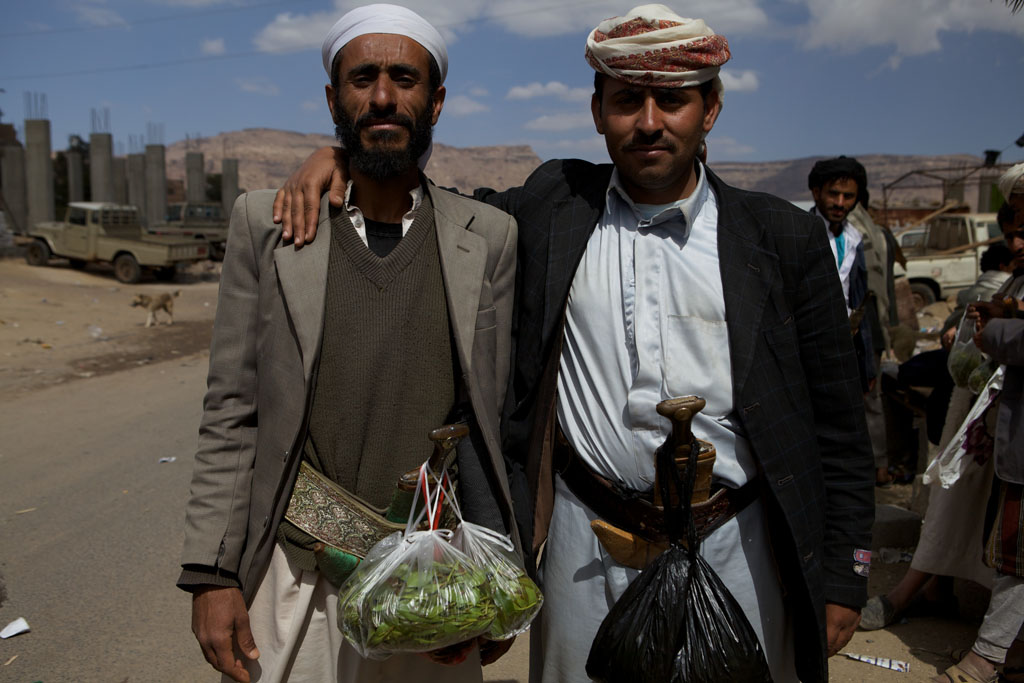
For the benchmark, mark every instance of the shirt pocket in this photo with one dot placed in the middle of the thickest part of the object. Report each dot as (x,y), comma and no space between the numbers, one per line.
(697,363)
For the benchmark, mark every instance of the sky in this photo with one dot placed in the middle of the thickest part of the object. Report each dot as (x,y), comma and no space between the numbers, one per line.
(806,78)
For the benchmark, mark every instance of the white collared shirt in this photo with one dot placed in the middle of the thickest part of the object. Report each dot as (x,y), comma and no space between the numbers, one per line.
(852,239)
(645,322)
(356,215)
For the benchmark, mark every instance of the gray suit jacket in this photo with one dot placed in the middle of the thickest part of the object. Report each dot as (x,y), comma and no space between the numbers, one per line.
(1004,340)
(265,343)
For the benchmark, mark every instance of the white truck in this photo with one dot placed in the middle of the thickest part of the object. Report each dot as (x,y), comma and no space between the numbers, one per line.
(198,220)
(101,232)
(948,257)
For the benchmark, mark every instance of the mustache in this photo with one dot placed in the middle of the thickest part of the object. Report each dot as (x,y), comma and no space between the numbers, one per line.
(640,140)
(371,119)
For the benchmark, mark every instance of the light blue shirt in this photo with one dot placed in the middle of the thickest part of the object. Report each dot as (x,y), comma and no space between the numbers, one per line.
(645,322)
(844,250)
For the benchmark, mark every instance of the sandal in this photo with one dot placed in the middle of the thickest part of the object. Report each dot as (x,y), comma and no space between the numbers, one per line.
(878,613)
(955,674)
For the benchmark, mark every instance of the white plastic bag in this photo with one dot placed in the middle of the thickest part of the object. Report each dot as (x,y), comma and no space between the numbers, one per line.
(947,467)
(415,592)
(964,355)
(516,597)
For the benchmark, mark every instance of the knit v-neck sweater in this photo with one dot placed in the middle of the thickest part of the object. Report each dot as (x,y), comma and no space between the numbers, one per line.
(385,375)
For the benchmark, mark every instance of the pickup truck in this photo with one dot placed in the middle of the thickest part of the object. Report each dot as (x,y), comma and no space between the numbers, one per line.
(198,220)
(101,232)
(947,257)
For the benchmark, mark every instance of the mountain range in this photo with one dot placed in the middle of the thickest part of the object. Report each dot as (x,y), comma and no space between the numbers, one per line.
(266,158)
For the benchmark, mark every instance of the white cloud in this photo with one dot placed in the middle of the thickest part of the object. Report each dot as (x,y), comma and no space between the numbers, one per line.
(549,89)
(313,105)
(723,147)
(99,16)
(212,46)
(289,32)
(537,18)
(479,92)
(462,105)
(561,122)
(258,86)
(912,27)
(739,81)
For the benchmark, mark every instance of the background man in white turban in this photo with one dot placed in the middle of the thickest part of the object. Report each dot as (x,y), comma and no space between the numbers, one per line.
(404,304)
(650,278)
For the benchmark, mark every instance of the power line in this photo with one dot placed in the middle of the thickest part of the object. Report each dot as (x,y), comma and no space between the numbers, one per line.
(151,20)
(236,55)
(133,67)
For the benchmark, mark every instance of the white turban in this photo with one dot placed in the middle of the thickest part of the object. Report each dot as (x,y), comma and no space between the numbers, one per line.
(1012,182)
(653,46)
(382,18)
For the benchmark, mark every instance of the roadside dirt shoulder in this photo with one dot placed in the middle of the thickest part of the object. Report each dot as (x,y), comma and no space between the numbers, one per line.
(58,324)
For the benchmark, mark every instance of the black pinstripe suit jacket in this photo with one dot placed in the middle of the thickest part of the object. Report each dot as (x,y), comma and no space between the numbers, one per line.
(794,377)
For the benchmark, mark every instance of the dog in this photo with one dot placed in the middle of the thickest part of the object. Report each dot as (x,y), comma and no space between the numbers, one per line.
(152,304)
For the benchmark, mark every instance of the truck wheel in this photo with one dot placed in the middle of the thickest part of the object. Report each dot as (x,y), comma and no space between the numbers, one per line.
(165,274)
(126,269)
(37,253)
(922,295)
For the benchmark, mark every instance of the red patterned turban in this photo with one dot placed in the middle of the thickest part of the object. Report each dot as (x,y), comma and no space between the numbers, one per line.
(653,46)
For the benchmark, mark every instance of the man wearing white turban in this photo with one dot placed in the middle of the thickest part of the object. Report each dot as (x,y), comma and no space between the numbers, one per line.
(650,278)
(404,305)
(1012,183)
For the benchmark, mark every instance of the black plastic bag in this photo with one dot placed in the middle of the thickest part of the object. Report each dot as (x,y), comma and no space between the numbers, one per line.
(718,643)
(677,622)
(637,640)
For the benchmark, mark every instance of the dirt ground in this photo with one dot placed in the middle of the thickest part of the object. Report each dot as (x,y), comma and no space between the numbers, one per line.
(62,325)
(58,324)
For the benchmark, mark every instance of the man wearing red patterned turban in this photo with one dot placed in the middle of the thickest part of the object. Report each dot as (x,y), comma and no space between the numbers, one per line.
(650,278)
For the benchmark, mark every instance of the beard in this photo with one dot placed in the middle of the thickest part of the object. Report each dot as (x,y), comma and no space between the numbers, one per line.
(380,161)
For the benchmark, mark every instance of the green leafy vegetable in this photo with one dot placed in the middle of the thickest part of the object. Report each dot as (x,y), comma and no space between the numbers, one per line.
(962,362)
(417,608)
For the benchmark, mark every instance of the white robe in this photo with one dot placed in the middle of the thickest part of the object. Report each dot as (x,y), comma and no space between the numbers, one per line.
(646,322)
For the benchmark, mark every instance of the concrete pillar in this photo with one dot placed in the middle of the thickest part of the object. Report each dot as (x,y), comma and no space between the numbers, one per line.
(38,171)
(228,184)
(12,170)
(195,177)
(76,176)
(137,184)
(156,185)
(954,190)
(987,191)
(120,185)
(101,168)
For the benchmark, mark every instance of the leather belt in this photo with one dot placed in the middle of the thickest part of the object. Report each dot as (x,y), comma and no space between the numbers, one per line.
(634,511)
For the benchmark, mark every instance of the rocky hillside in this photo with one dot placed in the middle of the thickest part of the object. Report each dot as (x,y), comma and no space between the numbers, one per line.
(788,179)
(267,157)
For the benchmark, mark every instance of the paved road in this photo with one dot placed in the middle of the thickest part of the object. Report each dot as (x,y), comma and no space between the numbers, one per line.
(91,526)
(91,529)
